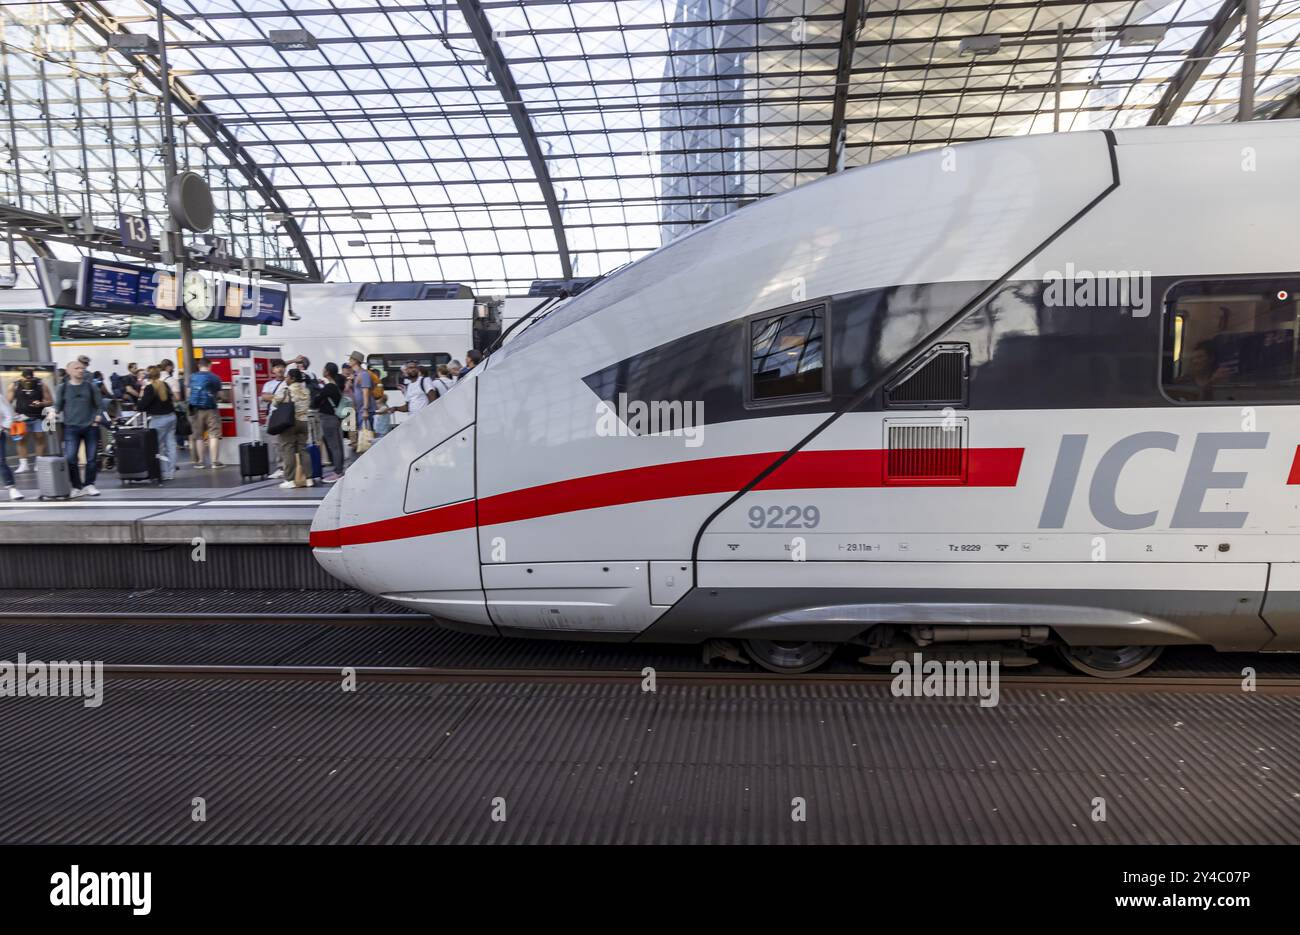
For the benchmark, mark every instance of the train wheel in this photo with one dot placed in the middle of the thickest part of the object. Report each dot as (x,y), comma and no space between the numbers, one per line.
(789,656)
(1109,662)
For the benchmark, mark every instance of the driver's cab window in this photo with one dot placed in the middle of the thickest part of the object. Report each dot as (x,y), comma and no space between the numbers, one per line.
(788,356)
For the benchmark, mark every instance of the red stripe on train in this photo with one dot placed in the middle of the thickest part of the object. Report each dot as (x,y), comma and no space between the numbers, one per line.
(1294,478)
(806,470)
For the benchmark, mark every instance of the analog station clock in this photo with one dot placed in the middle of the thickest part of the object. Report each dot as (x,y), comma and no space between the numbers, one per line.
(198,295)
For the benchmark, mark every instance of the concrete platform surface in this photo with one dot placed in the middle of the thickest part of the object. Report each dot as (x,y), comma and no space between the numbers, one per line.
(213,504)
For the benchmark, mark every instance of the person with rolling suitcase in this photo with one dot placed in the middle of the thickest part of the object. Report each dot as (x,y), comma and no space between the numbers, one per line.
(79,402)
(6,421)
(137,450)
(160,407)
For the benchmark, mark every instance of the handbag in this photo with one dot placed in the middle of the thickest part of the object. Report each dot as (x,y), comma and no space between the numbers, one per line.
(365,438)
(18,428)
(183,427)
(281,419)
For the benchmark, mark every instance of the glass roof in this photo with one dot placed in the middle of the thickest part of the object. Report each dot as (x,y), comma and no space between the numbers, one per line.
(491,142)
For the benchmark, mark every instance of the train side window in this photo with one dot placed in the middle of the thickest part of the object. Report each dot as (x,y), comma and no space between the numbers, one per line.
(1232,341)
(390,365)
(788,356)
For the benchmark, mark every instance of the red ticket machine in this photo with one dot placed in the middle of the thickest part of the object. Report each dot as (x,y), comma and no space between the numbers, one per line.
(243,371)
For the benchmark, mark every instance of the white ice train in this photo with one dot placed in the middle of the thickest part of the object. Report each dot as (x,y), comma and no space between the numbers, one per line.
(1041,391)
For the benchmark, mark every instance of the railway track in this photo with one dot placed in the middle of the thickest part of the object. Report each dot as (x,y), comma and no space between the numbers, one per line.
(452,675)
(308,635)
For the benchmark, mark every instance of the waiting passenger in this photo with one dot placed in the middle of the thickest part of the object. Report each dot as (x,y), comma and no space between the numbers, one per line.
(171,378)
(293,441)
(131,386)
(79,401)
(474,358)
(7,416)
(454,368)
(269,389)
(160,406)
(205,390)
(417,389)
(331,426)
(302,363)
(29,398)
(444,379)
(363,392)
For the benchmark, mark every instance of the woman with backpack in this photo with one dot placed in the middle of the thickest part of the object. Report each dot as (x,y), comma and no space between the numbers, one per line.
(160,406)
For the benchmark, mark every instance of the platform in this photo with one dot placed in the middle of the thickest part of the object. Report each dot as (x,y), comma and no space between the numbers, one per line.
(212,504)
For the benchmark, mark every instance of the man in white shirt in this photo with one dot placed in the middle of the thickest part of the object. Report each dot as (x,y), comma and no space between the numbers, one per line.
(418,389)
(169,377)
(269,389)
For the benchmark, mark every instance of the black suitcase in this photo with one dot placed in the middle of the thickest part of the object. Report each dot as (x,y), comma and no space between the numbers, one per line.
(137,455)
(253,460)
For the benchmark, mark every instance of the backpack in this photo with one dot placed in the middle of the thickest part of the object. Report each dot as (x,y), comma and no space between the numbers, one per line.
(27,399)
(119,385)
(200,395)
(377,391)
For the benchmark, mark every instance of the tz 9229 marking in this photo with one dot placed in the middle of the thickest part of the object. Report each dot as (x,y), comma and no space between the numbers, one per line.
(784,517)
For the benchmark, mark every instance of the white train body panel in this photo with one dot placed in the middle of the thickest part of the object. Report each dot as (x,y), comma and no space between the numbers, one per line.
(1086,500)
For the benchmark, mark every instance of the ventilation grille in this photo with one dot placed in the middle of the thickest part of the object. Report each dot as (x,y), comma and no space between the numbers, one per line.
(933,452)
(937,379)
(381,311)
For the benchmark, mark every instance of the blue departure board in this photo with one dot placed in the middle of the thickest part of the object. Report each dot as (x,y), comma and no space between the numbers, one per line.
(270,306)
(238,305)
(111,286)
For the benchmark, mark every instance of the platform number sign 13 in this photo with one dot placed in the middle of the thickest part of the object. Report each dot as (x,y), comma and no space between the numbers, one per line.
(134,231)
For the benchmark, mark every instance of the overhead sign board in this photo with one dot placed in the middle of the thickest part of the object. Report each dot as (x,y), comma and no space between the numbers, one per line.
(252,301)
(113,286)
(133,231)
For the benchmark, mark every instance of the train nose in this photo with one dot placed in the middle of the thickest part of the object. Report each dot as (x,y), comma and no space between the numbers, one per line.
(402,525)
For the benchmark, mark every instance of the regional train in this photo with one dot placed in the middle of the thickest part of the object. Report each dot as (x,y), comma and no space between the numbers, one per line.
(1030,393)
(390,323)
